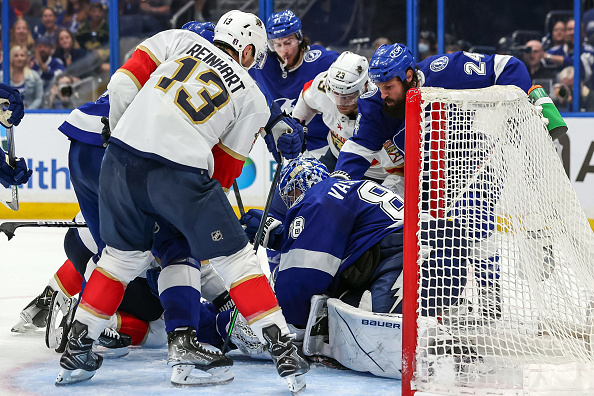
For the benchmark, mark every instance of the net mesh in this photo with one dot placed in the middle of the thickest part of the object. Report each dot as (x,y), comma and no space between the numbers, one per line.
(506,269)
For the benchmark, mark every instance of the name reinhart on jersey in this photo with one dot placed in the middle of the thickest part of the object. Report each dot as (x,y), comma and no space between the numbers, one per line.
(207,56)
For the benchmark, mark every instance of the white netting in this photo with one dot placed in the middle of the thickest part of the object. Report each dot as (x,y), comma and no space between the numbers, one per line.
(520,241)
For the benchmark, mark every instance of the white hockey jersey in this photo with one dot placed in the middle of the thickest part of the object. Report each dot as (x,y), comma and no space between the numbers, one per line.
(313,100)
(179,96)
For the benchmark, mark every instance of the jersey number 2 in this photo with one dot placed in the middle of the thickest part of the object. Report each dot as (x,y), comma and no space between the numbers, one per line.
(211,103)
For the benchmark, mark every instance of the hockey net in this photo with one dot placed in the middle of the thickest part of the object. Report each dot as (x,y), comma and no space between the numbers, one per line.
(488,199)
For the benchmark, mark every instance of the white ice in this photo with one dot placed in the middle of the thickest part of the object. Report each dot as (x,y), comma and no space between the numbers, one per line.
(27,367)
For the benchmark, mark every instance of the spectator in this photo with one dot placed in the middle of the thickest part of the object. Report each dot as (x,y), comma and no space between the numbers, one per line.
(427,44)
(94,32)
(21,36)
(24,79)
(75,14)
(48,26)
(44,64)
(558,34)
(534,61)
(57,5)
(198,9)
(379,42)
(68,50)
(62,94)
(563,92)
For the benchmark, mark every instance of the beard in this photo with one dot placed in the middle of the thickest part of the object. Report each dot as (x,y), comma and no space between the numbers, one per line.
(396,108)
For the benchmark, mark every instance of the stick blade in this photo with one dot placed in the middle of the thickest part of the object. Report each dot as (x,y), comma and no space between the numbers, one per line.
(8,229)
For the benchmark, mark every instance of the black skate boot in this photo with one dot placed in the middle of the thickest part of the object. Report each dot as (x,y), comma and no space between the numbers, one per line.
(112,344)
(78,355)
(186,353)
(35,313)
(289,364)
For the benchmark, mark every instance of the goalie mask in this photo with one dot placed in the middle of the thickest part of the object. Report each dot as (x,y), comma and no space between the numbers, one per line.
(240,29)
(390,61)
(346,79)
(298,176)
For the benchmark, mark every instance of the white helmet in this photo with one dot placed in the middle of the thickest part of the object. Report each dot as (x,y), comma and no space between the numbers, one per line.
(346,78)
(240,29)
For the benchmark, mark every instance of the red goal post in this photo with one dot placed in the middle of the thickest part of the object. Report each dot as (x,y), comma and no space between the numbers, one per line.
(482,161)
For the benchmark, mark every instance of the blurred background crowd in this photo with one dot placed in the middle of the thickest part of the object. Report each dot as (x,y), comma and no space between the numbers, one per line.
(60,57)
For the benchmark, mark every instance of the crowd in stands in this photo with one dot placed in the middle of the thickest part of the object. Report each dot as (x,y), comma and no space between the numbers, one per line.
(71,38)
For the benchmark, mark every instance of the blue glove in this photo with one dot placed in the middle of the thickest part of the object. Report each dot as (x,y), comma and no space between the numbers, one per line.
(17,175)
(15,105)
(273,229)
(283,134)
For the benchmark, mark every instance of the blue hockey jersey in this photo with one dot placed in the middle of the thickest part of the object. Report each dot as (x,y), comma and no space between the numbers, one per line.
(460,70)
(332,226)
(84,123)
(284,87)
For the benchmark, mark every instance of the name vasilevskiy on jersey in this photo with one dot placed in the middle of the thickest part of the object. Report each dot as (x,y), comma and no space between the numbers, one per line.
(204,54)
(378,323)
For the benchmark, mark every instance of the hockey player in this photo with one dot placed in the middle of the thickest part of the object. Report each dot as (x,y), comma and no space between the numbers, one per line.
(150,176)
(11,113)
(293,62)
(360,249)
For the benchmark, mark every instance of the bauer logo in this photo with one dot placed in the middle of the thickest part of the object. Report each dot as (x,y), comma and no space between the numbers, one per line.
(248,174)
(312,55)
(379,323)
(439,64)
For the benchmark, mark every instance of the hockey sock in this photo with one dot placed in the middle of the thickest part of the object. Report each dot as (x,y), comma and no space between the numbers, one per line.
(179,293)
(101,298)
(134,327)
(68,279)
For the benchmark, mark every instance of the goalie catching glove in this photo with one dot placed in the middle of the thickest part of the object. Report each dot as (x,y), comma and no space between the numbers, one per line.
(14,112)
(283,134)
(273,229)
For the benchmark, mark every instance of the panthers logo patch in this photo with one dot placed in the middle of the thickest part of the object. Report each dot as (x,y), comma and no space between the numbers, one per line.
(312,55)
(439,64)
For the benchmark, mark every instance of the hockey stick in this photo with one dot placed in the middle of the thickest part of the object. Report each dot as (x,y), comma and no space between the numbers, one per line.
(10,227)
(238,198)
(256,240)
(11,160)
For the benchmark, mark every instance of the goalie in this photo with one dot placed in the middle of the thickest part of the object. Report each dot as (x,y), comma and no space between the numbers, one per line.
(344,240)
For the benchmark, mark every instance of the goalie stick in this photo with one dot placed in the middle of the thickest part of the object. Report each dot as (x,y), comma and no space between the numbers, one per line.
(10,227)
(13,203)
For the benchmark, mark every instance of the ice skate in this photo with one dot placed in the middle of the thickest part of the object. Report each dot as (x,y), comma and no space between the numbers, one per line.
(243,337)
(289,364)
(61,312)
(186,354)
(112,344)
(35,313)
(78,362)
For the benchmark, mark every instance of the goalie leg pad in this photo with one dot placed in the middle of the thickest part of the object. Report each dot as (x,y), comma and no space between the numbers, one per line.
(365,341)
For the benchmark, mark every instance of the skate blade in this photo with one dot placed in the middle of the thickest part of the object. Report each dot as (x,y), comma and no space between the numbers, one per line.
(24,324)
(296,383)
(182,376)
(111,353)
(58,323)
(67,377)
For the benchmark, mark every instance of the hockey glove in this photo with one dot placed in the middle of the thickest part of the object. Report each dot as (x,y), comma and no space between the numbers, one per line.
(14,112)
(273,229)
(283,134)
(14,176)
(105,132)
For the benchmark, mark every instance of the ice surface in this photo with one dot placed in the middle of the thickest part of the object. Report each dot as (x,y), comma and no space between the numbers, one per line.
(27,367)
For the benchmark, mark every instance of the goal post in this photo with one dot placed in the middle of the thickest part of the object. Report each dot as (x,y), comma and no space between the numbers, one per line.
(498,255)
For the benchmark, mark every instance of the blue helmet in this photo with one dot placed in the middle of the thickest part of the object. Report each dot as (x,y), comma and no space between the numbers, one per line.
(283,24)
(204,29)
(298,176)
(390,61)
